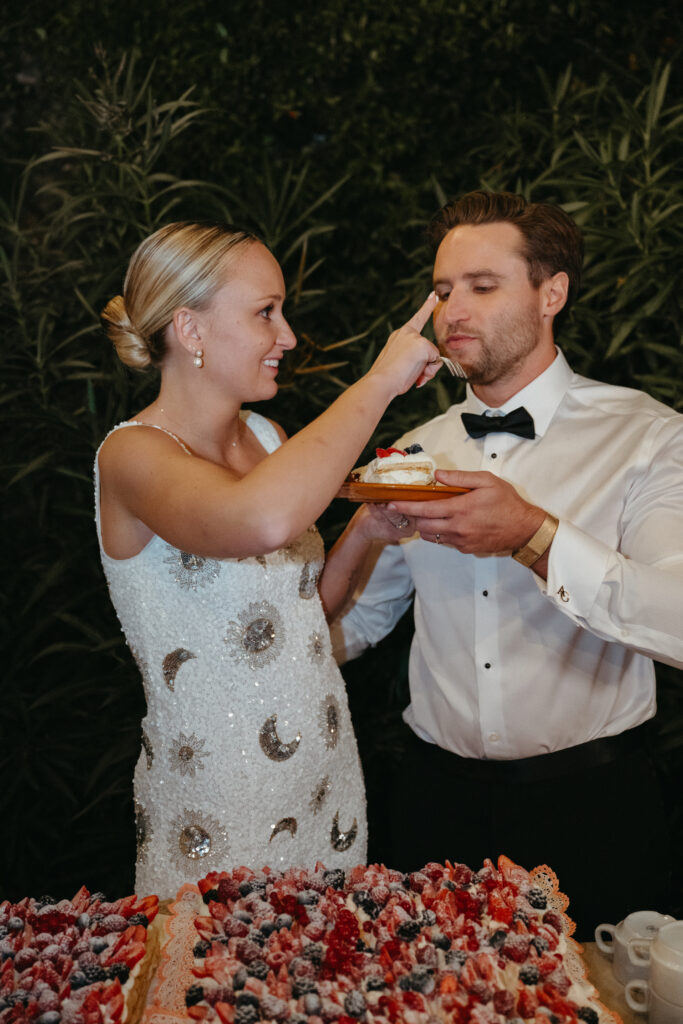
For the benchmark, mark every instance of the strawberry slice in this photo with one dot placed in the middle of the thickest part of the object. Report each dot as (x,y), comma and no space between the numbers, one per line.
(382,453)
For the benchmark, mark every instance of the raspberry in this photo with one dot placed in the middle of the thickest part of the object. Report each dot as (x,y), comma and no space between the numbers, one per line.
(554,920)
(463,875)
(503,1002)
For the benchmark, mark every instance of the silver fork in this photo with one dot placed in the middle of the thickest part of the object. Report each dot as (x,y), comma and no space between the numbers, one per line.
(454,368)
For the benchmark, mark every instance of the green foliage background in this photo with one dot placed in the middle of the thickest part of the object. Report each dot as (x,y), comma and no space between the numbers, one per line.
(334,129)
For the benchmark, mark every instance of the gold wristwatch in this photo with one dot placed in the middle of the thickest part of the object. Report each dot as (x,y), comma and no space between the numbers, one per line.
(539,543)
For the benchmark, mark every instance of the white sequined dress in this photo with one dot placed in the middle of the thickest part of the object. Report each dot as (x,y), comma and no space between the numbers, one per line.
(248,753)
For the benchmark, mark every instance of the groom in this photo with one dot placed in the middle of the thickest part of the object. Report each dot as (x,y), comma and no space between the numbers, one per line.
(543,594)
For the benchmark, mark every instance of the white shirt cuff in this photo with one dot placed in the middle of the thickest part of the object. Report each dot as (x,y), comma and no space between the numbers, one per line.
(576,570)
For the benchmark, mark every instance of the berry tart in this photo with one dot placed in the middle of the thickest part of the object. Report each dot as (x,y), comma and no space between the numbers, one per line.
(80,961)
(377,946)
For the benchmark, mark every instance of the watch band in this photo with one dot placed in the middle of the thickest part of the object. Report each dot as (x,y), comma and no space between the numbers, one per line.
(539,543)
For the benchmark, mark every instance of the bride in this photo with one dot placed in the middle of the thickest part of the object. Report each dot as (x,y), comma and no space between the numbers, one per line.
(204,516)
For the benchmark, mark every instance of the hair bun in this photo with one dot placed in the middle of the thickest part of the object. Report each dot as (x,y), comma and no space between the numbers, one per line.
(131,347)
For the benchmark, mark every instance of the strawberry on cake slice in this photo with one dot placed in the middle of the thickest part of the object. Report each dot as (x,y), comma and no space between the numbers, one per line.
(411,465)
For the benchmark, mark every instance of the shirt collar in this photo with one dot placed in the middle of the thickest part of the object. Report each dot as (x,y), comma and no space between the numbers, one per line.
(540,398)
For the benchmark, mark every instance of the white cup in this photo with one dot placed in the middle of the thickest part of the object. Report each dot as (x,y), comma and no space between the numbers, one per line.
(644,999)
(664,957)
(642,925)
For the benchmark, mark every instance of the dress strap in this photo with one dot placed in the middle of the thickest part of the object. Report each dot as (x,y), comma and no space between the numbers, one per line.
(262,428)
(154,426)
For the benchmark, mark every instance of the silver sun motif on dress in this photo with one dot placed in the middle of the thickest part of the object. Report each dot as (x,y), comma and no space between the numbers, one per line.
(257,636)
(172,663)
(240,680)
(185,754)
(271,744)
(284,825)
(342,840)
(329,717)
(197,837)
(191,571)
(319,794)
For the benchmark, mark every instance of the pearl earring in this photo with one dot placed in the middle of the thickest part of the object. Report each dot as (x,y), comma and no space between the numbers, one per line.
(198,358)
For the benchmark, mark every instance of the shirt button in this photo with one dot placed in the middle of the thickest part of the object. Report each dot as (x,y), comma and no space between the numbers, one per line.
(493,736)
(487,665)
(493,455)
(485,593)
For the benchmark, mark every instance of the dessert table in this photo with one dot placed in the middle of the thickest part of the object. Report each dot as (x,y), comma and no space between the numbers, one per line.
(611,991)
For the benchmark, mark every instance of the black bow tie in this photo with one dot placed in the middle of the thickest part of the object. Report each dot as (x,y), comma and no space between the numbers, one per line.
(519,421)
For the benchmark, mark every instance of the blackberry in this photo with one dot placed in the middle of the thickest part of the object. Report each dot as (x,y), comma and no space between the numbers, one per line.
(284,921)
(258,969)
(210,894)
(267,928)
(519,915)
(93,973)
(334,878)
(408,930)
(497,938)
(98,944)
(354,1003)
(413,449)
(3,931)
(361,947)
(529,975)
(258,937)
(363,899)
(194,995)
(441,941)
(313,952)
(303,985)
(45,901)
(139,919)
(18,998)
(247,1015)
(239,979)
(427,918)
(456,958)
(245,888)
(78,980)
(248,999)
(308,898)
(120,971)
(537,899)
(375,983)
(449,885)
(201,948)
(588,1014)
(15,924)
(83,921)
(242,915)
(540,944)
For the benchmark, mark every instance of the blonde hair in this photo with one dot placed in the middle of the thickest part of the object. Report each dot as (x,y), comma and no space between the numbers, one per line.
(182,264)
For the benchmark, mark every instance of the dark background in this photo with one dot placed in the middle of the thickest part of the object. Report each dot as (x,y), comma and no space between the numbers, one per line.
(334,129)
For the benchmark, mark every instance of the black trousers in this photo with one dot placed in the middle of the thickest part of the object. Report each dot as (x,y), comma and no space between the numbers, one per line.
(602,829)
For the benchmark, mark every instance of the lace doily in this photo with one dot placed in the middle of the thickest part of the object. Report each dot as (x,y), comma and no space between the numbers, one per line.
(166,1000)
(545,879)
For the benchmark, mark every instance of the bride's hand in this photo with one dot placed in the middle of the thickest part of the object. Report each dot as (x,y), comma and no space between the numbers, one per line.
(407,357)
(376,523)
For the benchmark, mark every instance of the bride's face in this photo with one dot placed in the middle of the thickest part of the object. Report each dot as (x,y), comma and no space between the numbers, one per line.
(244,333)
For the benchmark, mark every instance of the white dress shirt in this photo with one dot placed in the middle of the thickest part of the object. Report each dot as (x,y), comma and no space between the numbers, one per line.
(504,664)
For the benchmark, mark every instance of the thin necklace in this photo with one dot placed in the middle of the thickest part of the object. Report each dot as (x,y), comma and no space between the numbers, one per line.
(203,437)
